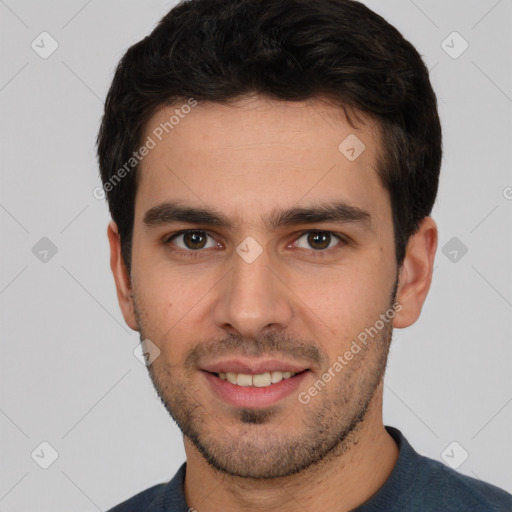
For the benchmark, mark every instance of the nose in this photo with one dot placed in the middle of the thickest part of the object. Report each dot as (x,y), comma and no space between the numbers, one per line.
(253,299)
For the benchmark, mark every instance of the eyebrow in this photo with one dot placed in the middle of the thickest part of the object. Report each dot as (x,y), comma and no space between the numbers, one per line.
(338,212)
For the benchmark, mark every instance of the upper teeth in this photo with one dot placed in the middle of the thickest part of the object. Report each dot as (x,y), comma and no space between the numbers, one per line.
(261,380)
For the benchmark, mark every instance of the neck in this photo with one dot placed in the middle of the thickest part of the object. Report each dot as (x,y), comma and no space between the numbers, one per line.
(345,479)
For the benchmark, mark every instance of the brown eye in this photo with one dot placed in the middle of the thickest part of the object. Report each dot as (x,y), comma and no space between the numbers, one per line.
(319,240)
(194,240)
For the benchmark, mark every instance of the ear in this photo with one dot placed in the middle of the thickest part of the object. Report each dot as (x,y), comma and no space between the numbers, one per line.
(121,277)
(415,274)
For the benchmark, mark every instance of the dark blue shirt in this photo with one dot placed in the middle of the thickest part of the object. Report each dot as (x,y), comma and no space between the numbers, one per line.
(416,483)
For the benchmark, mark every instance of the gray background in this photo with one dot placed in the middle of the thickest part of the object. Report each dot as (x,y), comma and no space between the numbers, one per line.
(68,373)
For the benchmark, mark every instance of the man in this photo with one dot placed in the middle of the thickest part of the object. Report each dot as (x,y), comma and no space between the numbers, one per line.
(270,167)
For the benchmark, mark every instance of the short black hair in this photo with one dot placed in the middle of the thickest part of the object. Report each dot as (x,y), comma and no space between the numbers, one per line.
(293,50)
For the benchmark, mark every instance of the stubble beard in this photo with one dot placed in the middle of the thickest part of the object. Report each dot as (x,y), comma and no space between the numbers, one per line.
(258,448)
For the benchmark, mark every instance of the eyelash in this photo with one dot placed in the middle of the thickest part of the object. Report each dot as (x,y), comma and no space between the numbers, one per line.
(199,252)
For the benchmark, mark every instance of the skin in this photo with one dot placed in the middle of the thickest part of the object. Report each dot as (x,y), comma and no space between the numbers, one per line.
(246,160)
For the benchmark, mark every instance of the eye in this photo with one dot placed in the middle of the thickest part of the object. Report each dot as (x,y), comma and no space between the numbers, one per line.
(192,241)
(318,240)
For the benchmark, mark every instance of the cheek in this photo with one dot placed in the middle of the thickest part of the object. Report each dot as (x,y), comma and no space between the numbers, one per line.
(347,299)
(160,285)
(169,301)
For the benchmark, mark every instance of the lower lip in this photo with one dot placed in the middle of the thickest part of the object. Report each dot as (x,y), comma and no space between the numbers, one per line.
(253,397)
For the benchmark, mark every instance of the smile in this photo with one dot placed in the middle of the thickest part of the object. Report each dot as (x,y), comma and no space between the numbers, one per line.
(254,390)
(262,380)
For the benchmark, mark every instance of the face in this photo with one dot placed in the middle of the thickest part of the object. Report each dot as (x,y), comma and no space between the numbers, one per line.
(261,253)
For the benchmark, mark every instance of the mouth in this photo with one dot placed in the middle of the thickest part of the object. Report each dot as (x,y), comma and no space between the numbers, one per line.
(254,385)
(260,380)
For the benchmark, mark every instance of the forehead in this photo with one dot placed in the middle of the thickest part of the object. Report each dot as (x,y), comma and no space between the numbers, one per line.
(257,153)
